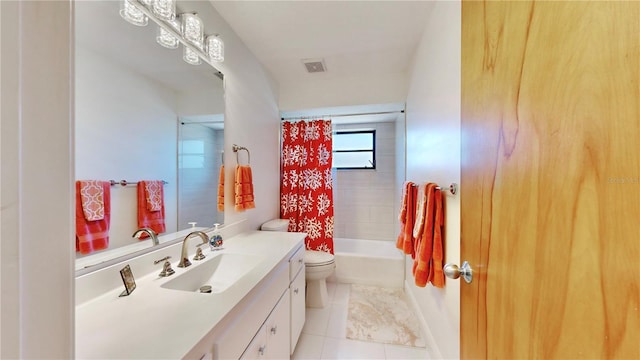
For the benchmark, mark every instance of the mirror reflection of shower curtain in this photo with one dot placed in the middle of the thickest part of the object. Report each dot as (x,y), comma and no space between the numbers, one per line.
(306,186)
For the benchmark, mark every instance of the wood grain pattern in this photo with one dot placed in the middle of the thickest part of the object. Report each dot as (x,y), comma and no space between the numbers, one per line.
(550,188)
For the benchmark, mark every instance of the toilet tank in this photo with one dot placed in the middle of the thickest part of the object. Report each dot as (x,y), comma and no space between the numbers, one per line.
(276,225)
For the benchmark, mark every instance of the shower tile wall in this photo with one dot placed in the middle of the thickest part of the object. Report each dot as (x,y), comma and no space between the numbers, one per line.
(364,199)
(199,185)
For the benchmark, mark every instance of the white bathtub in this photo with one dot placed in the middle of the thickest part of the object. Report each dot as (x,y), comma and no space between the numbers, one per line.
(368,262)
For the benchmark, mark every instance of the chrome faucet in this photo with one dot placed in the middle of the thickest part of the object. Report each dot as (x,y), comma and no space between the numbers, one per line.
(152,234)
(184,259)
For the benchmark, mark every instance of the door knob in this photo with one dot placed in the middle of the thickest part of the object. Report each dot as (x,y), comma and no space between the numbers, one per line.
(452,271)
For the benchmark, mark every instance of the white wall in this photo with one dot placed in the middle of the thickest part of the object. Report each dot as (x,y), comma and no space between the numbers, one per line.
(364,199)
(433,154)
(36,181)
(126,128)
(320,92)
(252,120)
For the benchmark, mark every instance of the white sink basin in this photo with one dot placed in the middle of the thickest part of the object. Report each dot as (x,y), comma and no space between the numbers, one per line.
(219,272)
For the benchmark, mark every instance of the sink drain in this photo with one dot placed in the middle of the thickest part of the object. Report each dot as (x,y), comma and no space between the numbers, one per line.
(205,289)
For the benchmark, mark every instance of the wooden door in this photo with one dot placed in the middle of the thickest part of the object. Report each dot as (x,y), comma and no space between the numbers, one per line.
(550,185)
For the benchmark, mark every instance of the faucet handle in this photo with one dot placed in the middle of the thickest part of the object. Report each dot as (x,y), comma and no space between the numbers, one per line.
(199,255)
(166,267)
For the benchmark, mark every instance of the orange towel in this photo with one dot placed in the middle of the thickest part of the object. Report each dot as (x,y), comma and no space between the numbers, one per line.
(421,203)
(153,220)
(407,218)
(221,189)
(244,188)
(93,235)
(436,275)
(424,244)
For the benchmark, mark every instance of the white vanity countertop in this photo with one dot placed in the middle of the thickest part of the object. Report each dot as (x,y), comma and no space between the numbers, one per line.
(158,323)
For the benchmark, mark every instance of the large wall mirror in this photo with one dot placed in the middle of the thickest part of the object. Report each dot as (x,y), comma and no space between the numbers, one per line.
(142,113)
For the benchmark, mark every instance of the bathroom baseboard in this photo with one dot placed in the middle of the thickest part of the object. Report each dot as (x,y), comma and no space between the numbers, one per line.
(430,341)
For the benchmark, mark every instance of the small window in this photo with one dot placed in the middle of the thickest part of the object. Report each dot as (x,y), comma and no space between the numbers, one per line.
(354,149)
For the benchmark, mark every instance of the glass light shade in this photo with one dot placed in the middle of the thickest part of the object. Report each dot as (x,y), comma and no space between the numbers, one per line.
(165,39)
(132,14)
(192,29)
(215,48)
(190,56)
(146,3)
(164,9)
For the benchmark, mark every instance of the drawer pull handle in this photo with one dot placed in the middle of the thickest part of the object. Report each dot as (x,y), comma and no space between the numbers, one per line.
(274,330)
(261,350)
(296,290)
(300,261)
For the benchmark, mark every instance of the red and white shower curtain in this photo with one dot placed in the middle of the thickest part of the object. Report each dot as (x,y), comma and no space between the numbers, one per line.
(306,188)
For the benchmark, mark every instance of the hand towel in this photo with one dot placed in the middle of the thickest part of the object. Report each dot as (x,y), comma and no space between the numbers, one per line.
(424,246)
(421,201)
(436,274)
(221,189)
(146,217)
(244,188)
(154,194)
(407,218)
(92,195)
(93,235)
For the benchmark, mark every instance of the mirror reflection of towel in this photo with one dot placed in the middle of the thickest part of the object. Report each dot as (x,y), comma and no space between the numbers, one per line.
(153,220)
(93,235)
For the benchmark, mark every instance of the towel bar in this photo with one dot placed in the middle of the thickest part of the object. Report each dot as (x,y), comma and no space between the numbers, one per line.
(125,182)
(452,189)
(237,148)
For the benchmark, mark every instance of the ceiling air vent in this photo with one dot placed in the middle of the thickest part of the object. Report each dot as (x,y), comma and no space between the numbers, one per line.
(314,65)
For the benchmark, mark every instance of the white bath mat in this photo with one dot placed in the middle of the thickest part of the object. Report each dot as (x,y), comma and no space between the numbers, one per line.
(382,315)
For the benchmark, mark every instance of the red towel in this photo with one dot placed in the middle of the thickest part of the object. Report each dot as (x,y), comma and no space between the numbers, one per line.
(153,220)
(221,189)
(93,235)
(407,218)
(424,244)
(244,188)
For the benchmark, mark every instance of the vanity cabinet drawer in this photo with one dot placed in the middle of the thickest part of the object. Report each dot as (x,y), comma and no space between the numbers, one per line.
(296,262)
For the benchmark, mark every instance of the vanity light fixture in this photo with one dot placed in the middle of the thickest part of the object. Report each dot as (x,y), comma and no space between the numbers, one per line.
(173,29)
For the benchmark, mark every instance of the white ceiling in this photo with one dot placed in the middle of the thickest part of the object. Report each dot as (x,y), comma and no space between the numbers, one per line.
(355,38)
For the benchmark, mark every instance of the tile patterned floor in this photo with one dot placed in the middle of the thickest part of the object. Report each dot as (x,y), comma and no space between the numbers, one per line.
(324,334)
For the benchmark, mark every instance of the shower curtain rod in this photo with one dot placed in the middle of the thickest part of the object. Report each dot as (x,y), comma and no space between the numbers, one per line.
(342,115)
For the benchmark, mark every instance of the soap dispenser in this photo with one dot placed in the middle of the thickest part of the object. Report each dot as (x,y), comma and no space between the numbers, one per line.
(215,241)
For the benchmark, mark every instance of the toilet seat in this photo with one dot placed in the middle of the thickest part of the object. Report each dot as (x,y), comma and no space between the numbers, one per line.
(314,258)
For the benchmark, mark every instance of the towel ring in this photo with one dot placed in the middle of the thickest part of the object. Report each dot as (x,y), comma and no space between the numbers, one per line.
(237,148)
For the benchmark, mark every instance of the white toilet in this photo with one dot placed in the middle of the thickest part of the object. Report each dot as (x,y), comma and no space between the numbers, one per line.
(319,265)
